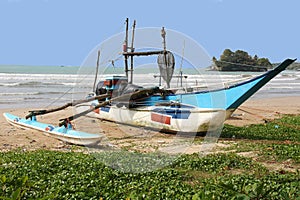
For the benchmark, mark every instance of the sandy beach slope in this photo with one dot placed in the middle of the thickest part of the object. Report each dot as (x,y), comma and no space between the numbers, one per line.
(251,112)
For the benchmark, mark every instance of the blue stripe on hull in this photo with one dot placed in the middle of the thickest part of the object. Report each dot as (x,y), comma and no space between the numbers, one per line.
(218,99)
(222,99)
(105,109)
(174,113)
(226,98)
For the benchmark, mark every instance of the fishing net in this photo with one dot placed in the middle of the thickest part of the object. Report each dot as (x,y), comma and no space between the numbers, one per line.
(166,63)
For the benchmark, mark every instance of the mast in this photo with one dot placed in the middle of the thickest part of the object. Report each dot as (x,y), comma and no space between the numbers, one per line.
(132,50)
(164,55)
(125,49)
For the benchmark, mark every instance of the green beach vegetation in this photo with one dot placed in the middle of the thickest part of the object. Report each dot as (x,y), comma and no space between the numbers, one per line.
(257,162)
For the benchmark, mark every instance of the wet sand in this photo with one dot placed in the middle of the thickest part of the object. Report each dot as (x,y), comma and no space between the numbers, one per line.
(251,112)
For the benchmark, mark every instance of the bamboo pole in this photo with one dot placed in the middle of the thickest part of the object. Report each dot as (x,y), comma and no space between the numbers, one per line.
(132,50)
(143,53)
(126,48)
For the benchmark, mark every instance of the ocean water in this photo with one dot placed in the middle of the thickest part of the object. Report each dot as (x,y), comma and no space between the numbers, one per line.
(46,86)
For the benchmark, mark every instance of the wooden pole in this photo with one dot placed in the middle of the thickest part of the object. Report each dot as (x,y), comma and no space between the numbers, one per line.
(73,103)
(143,53)
(125,97)
(132,50)
(163,34)
(125,48)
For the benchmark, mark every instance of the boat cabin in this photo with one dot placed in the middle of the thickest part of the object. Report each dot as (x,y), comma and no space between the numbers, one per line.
(114,82)
(111,83)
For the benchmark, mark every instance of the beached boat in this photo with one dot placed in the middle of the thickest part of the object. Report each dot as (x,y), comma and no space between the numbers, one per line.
(187,110)
(167,109)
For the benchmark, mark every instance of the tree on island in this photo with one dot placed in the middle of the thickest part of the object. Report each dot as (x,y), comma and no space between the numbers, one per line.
(241,61)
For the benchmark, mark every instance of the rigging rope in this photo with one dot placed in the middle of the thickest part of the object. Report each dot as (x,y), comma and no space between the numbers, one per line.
(51,103)
(266,120)
(105,61)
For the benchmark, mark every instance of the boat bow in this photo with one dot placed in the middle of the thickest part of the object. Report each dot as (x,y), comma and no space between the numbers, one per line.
(260,82)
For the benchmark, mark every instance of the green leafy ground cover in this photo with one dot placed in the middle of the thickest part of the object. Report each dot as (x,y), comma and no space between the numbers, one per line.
(46,174)
(286,128)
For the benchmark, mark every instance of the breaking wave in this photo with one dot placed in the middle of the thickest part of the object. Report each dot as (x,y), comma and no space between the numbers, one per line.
(36,83)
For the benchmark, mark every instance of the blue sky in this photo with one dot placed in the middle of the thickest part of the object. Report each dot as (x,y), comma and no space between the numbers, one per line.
(63,32)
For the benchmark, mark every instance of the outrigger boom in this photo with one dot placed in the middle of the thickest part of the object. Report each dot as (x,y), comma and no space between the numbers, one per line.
(123,98)
(33,113)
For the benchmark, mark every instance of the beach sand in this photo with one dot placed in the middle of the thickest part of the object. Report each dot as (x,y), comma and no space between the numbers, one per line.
(258,110)
(252,111)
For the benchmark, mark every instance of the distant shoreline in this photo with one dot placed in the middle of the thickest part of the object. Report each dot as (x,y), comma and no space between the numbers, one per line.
(240,68)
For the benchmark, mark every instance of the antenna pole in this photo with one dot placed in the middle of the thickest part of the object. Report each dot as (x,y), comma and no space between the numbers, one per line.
(97,68)
(132,50)
(181,63)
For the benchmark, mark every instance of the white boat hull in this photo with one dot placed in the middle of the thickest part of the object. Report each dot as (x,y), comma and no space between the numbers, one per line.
(165,118)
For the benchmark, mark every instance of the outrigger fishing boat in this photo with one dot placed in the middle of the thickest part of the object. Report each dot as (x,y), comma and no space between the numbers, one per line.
(167,109)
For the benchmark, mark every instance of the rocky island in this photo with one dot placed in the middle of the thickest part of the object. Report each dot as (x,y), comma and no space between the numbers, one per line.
(240,61)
